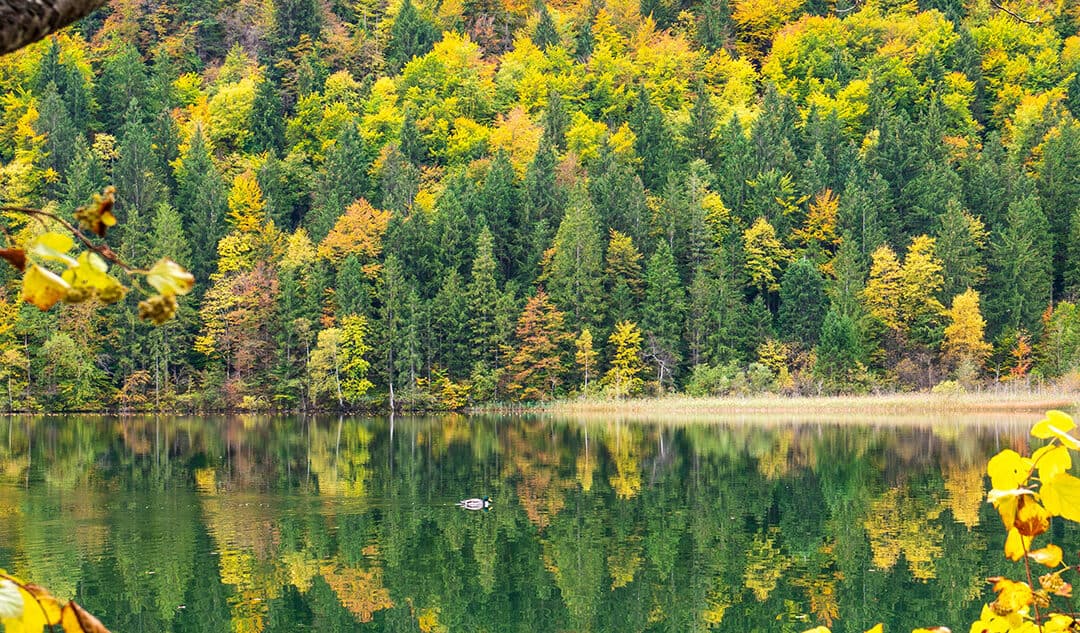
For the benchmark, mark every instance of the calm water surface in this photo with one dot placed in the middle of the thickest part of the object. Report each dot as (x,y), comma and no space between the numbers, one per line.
(251,524)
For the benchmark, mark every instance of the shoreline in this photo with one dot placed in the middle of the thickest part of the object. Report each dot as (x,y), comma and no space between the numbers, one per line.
(914,403)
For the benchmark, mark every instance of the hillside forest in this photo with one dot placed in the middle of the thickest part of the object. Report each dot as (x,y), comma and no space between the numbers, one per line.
(431,204)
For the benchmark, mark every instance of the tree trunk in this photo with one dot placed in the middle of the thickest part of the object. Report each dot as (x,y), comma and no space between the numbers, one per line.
(23,22)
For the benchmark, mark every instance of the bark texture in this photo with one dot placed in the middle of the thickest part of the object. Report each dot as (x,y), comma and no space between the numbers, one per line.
(23,22)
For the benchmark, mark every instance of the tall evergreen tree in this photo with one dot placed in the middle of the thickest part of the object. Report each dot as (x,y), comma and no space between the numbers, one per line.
(342,181)
(545,34)
(201,200)
(574,275)
(1021,273)
(483,296)
(411,35)
(802,303)
(653,142)
(267,119)
(663,312)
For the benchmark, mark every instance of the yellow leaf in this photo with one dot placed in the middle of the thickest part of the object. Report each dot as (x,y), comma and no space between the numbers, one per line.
(33,618)
(818,629)
(1056,424)
(1031,518)
(1012,596)
(43,288)
(46,602)
(934,629)
(1008,470)
(11,602)
(1058,623)
(53,246)
(1016,545)
(1052,460)
(75,619)
(170,278)
(1049,555)
(1061,496)
(877,628)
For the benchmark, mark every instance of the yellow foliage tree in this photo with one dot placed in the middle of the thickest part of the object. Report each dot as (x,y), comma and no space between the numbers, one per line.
(623,378)
(359,231)
(964,336)
(765,255)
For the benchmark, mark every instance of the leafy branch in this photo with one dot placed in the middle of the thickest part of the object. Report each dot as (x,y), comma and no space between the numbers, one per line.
(31,608)
(86,274)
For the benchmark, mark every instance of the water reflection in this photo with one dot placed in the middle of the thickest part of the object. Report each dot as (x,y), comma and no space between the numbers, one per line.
(283,524)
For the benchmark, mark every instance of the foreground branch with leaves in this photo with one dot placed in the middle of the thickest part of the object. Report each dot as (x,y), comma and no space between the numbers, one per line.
(30,608)
(1027,492)
(85,275)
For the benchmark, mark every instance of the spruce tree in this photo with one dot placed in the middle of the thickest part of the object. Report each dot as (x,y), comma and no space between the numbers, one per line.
(574,276)
(1021,274)
(802,303)
(411,35)
(483,295)
(663,313)
(343,180)
(267,119)
(201,200)
(545,34)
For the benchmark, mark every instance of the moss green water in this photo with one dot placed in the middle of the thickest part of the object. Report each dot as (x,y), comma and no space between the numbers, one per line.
(253,524)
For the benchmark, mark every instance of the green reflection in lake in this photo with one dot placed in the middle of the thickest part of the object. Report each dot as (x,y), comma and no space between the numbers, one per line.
(251,524)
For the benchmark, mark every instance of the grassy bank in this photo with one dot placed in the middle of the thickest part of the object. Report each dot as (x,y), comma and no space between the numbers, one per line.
(891,404)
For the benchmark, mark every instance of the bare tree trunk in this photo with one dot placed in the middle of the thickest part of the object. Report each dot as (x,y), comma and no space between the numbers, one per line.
(23,22)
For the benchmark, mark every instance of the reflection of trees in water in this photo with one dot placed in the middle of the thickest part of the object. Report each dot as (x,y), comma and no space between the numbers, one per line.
(276,524)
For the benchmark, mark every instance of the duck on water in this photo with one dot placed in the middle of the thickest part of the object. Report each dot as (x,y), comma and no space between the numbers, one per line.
(483,503)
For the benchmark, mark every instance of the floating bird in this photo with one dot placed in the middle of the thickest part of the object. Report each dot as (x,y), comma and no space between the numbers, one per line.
(483,503)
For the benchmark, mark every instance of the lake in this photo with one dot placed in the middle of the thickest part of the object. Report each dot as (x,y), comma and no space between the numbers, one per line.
(260,523)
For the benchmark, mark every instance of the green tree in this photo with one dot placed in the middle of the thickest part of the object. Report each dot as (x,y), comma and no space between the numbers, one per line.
(803,303)
(411,35)
(664,312)
(574,276)
(1021,272)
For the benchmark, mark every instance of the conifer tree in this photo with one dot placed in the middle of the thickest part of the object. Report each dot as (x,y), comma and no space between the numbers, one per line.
(482,298)
(622,278)
(201,200)
(803,303)
(664,310)
(574,276)
(411,35)
(1021,272)
(545,34)
(537,368)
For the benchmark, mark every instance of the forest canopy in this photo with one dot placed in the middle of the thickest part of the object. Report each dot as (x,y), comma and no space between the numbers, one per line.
(453,203)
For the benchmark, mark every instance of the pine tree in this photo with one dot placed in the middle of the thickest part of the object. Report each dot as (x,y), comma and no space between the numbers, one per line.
(574,276)
(499,201)
(653,143)
(411,35)
(450,344)
(1021,273)
(961,240)
(664,311)
(839,353)
(546,34)
(343,180)
(803,303)
(201,200)
(555,121)
(622,278)
(267,119)
(543,201)
(352,289)
(482,297)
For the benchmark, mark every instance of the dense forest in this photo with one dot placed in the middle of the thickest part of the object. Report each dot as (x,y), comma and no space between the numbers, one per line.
(435,204)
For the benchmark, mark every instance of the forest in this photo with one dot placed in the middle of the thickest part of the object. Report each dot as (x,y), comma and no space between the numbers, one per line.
(432,205)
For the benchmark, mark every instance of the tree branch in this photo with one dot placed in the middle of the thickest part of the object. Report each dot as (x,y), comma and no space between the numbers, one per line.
(24,22)
(997,5)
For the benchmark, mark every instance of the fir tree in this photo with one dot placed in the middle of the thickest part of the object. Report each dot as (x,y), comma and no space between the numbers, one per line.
(411,35)
(574,275)
(802,303)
